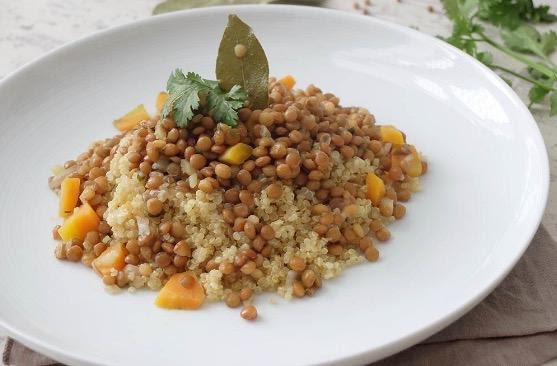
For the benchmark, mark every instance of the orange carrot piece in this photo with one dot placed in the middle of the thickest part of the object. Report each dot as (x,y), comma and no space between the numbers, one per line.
(80,222)
(288,81)
(391,134)
(161,99)
(174,295)
(375,188)
(69,195)
(132,118)
(236,154)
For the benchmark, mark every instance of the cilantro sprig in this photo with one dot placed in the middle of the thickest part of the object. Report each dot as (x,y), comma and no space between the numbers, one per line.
(520,40)
(185,93)
(513,13)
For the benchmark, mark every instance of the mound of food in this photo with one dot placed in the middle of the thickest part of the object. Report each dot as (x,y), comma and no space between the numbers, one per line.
(228,191)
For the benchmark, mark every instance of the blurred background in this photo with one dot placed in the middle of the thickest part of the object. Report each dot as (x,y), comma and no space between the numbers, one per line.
(28,28)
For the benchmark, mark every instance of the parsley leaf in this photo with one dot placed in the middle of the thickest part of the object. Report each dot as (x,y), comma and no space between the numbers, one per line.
(512,13)
(538,13)
(537,93)
(527,39)
(461,13)
(500,13)
(549,42)
(223,106)
(183,96)
(183,99)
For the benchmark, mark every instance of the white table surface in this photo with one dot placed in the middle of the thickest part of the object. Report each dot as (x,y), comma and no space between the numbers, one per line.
(29,28)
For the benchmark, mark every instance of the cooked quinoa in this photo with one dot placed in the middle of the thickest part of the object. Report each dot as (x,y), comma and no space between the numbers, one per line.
(296,212)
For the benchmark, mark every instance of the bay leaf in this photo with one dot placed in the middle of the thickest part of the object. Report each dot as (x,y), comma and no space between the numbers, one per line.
(175,5)
(250,71)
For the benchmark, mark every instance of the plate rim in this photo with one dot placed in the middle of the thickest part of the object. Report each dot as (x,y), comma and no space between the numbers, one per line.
(405,340)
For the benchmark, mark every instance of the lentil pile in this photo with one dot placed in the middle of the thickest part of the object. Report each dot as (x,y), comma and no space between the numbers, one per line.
(286,199)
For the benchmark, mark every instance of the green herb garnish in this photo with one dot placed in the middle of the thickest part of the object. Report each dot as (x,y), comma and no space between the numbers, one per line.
(250,69)
(184,93)
(243,77)
(513,13)
(521,41)
(528,40)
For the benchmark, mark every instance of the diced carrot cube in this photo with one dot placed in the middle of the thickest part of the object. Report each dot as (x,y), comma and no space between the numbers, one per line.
(392,135)
(132,118)
(69,195)
(288,81)
(79,223)
(161,99)
(236,154)
(175,295)
(375,188)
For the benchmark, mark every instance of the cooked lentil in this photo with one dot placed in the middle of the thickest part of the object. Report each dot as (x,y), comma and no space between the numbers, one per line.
(249,312)
(246,293)
(292,214)
(187,281)
(233,300)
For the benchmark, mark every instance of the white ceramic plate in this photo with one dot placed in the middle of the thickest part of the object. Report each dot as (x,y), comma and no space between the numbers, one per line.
(482,200)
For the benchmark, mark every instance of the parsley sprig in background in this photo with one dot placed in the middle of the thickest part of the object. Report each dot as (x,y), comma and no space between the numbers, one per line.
(518,39)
